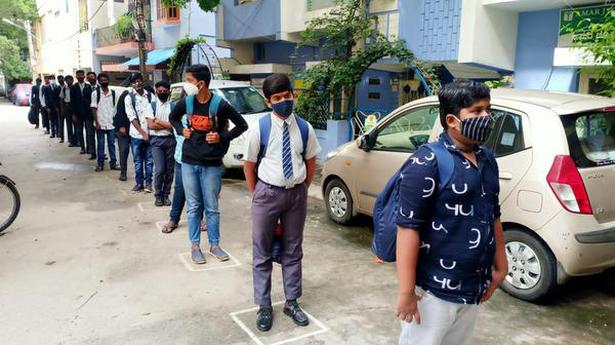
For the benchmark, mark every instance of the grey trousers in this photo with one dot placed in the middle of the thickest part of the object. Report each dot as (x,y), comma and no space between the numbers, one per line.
(268,205)
(163,149)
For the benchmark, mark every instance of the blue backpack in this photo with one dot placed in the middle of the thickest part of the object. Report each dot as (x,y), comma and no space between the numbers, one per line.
(384,243)
(264,125)
(155,105)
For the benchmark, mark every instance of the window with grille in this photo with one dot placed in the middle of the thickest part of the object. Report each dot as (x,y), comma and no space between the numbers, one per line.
(167,14)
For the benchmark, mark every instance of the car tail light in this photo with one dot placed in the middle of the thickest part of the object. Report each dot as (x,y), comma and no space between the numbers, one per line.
(567,185)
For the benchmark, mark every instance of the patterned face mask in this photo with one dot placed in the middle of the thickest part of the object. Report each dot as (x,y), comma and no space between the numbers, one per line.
(477,128)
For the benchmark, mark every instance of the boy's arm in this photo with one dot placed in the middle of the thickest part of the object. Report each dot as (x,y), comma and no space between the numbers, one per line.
(175,118)
(500,262)
(249,170)
(240,123)
(310,166)
(408,243)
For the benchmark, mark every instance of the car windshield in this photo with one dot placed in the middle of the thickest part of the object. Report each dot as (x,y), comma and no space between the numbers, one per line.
(591,138)
(246,100)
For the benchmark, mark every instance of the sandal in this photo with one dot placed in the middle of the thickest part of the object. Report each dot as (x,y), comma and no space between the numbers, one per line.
(169,227)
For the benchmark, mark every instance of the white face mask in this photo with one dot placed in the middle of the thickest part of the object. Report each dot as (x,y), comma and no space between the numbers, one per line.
(191,89)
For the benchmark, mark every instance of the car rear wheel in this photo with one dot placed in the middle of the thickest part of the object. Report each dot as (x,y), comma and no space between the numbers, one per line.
(532,272)
(338,201)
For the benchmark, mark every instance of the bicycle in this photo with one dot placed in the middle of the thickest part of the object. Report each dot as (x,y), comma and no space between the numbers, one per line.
(10,202)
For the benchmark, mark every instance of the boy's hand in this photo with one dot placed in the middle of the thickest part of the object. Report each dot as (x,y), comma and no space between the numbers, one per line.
(497,280)
(212,138)
(407,307)
(187,132)
(145,136)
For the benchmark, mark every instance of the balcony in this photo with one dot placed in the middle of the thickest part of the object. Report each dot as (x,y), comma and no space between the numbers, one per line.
(109,42)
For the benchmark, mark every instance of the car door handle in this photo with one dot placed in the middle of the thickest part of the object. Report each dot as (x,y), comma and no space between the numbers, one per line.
(506,175)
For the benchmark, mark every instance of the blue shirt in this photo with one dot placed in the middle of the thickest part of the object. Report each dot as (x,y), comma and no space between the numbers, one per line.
(456,226)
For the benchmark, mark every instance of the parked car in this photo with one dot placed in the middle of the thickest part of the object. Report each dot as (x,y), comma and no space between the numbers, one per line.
(556,156)
(20,94)
(246,100)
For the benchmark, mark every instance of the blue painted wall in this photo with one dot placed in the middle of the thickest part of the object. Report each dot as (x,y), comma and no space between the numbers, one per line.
(431,27)
(536,41)
(389,100)
(251,20)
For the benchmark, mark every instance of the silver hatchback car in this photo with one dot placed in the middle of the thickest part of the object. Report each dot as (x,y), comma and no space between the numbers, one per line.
(556,154)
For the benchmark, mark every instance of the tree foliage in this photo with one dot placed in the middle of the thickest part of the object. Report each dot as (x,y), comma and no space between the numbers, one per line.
(348,37)
(205,5)
(124,25)
(11,63)
(18,9)
(181,56)
(601,46)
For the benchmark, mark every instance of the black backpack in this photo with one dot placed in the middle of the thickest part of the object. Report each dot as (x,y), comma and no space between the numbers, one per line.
(121,119)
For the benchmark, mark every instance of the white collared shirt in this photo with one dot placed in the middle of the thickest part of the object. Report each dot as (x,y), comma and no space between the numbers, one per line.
(144,110)
(270,169)
(163,110)
(65,93)
(41,95)
(105,109)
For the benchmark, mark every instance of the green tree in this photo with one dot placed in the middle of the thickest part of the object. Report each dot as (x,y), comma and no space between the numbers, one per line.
(18,9)
(12,64)
(347,35)
(601,45)
(205,5)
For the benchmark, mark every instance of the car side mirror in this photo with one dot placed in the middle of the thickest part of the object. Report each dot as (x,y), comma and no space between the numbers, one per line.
(366,143)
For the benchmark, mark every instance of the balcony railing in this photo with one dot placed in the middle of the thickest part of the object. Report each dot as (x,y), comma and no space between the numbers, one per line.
(108,36)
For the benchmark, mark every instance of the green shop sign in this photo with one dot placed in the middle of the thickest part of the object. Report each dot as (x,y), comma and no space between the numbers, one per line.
(574,23)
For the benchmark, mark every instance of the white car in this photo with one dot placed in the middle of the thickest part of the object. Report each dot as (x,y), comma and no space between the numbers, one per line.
(246,100)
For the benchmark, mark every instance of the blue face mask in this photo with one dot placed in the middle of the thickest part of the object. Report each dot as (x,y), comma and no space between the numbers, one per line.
(284,108)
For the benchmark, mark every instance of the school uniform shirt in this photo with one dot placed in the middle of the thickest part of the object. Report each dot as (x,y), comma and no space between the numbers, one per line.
(105,108)
(65,94)
(163,110)
(456,225)
(144,110)
(270,168)
(42,94)
(196,150)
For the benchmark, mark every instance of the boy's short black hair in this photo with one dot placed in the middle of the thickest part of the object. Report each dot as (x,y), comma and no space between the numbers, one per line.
(276,83)
(164,84)
(39,80)
(103,75)
(90,73)
(135,76)
(68,77)
(52,76)
(80,71)
(60,76)
(200,72)
(458,95)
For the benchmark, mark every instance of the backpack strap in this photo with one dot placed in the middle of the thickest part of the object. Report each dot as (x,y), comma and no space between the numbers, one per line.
(264,126)
(113,96)
(133,98)
(154,106)
(189,105)
(304,129)
(214,105)
(97,96)
(446,163)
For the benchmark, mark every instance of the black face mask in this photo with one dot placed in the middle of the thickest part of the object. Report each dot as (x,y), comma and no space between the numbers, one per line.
(104,85)
(163,96)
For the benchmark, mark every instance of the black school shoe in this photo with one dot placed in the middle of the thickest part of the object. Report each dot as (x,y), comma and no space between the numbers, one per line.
(264,318)
(159,202)
(292,309)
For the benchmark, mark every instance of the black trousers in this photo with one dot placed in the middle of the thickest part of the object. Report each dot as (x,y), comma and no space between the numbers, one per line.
(123,142)
(53,120)
(163,149)
(66,119)
(90,137)
(37,110)
(79,127)
(45,118)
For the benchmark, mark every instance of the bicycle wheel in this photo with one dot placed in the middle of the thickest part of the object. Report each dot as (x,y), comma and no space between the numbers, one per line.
(9,203)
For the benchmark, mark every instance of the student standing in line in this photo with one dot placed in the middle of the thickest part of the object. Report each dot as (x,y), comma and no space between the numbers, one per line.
(44,111)
(90,129)
(52,104)
(279,186)
(35,100)
(103,111)
(67,112)
(80,101)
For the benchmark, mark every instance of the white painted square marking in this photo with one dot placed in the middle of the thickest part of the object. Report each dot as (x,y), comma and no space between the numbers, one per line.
(211,265)
(235,317)
(149,206)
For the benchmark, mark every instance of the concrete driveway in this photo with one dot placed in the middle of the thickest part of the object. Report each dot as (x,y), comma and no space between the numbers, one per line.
(85,263)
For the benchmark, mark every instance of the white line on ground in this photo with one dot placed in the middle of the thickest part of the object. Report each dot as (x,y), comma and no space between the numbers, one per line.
(254,337)
(190,267)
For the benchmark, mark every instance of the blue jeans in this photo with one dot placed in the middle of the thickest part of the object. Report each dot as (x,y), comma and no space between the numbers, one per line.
(144,163)
(202,186)
(100,135)
(179,197)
